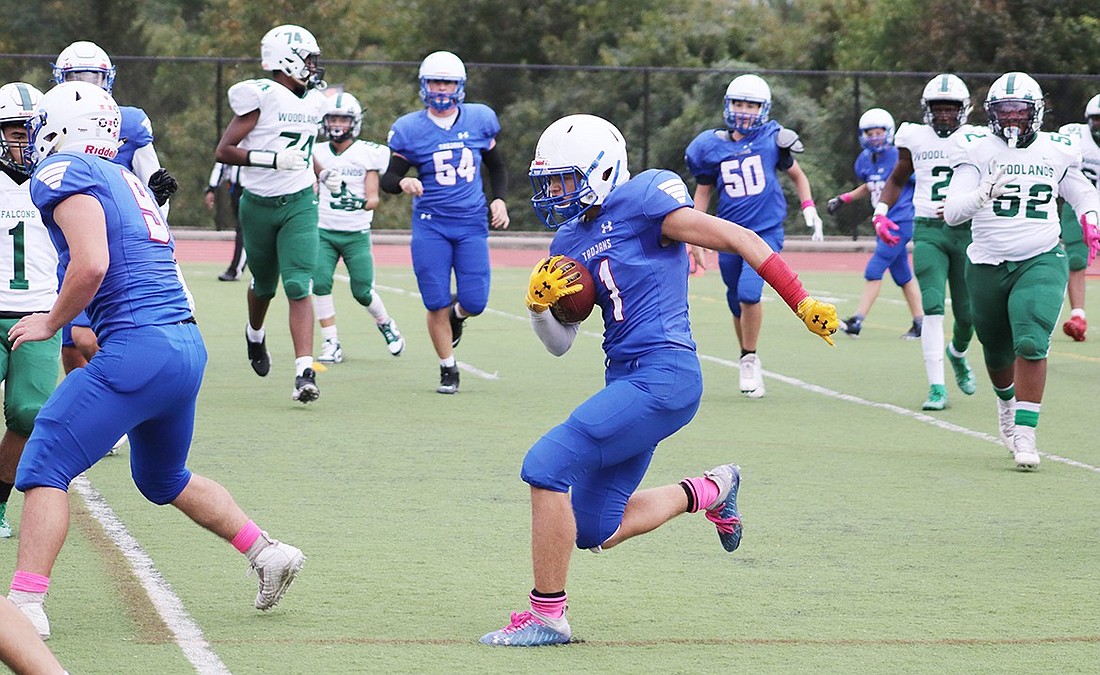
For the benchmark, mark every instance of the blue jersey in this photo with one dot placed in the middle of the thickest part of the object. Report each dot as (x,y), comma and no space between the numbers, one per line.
(448,161)
(873,169)
(641,284)
(136,132)
(745,173)
(141,287)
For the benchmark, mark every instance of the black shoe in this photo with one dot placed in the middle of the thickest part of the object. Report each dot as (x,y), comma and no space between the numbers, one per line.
(305,387)
(228,275)
(258,356)
(448,380)
(913,333)
(456,324)
(852,325)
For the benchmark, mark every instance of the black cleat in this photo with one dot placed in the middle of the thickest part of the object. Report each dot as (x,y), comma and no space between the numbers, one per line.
(258,356)
(305,387)
(456,326)
(448,380)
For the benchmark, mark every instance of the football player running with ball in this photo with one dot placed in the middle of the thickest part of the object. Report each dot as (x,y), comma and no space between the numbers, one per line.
(447,143)
(348,196)
(1087,138)
(742,164)
(939,252)
(1006,184)
(271,136)
(630,234)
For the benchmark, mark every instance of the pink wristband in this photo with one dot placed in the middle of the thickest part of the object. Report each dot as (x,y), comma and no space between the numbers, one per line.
(782,278)
(846,197)
(807,204)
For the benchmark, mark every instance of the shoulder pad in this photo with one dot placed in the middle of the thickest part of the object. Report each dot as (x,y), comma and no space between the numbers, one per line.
(788,140)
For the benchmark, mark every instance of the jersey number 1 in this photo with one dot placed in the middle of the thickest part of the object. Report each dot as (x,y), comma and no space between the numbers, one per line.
(19,258)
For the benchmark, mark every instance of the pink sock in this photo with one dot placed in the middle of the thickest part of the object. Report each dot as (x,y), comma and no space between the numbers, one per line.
(29,582)
(246,537)
(552,606)
(701,492)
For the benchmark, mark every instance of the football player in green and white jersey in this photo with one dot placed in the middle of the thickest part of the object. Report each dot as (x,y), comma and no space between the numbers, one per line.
(1006,183)
(348,196)
(29,261)
(1087,137)
(939,252)
(271,136)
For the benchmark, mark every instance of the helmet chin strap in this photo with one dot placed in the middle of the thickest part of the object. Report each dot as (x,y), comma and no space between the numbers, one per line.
(1012,135)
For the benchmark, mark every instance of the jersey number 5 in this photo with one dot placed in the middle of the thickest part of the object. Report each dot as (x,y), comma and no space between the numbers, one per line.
(158,231)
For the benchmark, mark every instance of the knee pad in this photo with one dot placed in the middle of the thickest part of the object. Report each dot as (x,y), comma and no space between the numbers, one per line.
(162,489)
(296,289)
(363,295)
(20,419)
(591,534)
(1031,346)
(1078,255)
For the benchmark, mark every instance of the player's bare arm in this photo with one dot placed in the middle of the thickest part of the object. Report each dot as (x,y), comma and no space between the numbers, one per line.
(239,127)
(701,229)
(898,177)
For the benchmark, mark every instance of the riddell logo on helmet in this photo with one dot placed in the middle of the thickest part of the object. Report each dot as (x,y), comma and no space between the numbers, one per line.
(100,151)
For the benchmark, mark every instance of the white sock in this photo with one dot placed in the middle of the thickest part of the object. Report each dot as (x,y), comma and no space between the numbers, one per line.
(301,363)
(329,333)
(931,342)
(254,335)
(448,362)
(1077,312)
(377,309)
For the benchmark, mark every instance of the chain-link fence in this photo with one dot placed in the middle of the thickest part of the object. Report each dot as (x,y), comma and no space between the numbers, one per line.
(659,111)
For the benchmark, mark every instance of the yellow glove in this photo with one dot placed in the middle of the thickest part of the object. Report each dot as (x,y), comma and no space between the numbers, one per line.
(548,284)
(819,317)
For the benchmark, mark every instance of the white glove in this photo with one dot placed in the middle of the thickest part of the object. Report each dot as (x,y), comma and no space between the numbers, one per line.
(332,181)
(291,160)
(813,221)
(994,183)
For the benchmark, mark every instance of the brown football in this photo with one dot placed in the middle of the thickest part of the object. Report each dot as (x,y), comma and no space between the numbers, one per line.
(576,307)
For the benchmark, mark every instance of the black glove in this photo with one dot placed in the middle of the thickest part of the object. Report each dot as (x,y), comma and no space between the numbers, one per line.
(162,185)
(834,205)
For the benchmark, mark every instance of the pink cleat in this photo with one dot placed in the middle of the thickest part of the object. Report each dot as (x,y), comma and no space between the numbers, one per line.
(1076,328)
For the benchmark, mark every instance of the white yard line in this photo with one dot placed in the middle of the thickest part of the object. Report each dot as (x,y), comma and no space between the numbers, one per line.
(187,633)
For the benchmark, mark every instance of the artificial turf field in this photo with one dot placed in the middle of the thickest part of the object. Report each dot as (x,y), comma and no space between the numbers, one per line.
(877,539)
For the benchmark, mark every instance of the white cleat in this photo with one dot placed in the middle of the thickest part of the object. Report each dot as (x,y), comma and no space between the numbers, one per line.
(1006,420)
(752,377)
(276,566)
(331,352)
(32,607)
(395,341)
(1025,453)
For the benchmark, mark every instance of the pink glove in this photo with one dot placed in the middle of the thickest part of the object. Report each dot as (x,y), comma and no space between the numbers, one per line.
(885,228)
(1092,234)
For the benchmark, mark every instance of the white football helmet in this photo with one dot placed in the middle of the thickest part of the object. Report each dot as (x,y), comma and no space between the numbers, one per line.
(945,88)
(751,88)
(18,101)
(876,118)
(87,62)
(74,117)
(342,105)
(578,161)
(447,67)
(1092,116)
(293,51)
(1015,108)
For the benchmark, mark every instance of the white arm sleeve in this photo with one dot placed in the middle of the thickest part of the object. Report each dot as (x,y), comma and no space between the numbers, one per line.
(964,199)
(1079,192)
(556,336)
(215,175)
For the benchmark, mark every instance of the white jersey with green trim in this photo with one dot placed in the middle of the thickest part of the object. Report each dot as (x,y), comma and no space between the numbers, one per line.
(931,163)
(28,259)
(337,211)
(1023,222)
(286,121)
(1090,151)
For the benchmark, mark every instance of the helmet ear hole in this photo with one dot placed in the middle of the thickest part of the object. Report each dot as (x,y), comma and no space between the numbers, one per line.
(607,173)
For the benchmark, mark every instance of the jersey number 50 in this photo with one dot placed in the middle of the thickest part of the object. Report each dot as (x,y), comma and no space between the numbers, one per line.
(744,177)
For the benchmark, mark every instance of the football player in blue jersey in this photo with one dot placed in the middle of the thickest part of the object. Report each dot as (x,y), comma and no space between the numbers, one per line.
(630,234)
(84,61)
(447,143)
(873,166)
(742,163)
(116,259)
